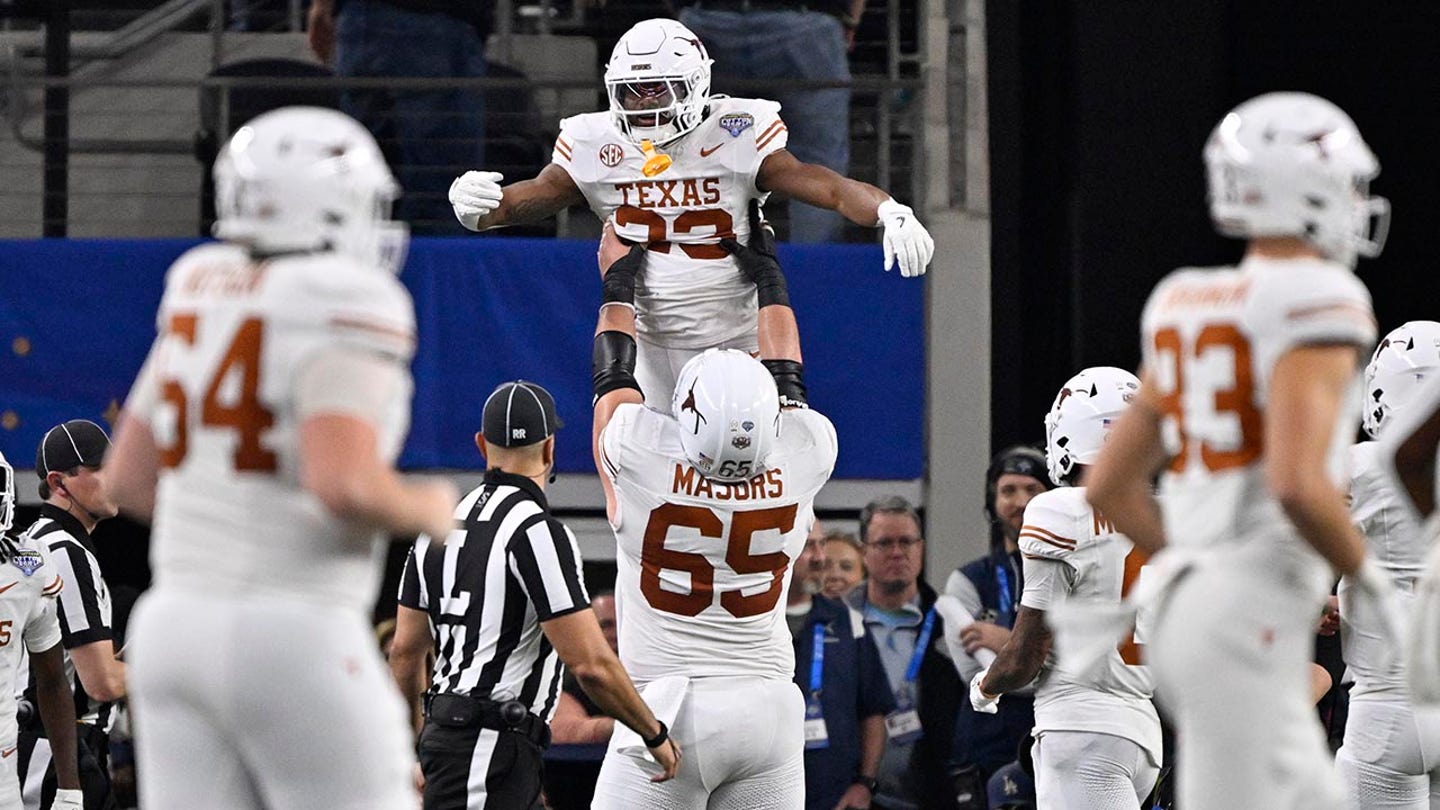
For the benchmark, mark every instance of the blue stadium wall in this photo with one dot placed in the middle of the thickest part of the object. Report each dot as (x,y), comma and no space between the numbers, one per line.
(77,317)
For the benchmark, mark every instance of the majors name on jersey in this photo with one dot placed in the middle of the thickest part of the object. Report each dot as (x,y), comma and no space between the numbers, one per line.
(1210,342)
(703,565)
(692,295)
(219,391)
(1072,551)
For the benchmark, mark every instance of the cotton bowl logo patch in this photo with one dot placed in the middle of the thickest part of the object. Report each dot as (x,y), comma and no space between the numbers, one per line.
(611,154)
(28,561)
(736,123)
(740,442)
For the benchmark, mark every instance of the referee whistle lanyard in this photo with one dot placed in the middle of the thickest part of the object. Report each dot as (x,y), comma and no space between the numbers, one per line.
(1007,601)
(816,735)
(903,724)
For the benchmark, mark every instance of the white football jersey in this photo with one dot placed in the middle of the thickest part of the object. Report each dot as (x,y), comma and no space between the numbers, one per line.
(29,623)
(218,391)
(1396,541)
(703,565)
(1071,551)
(691,295)
(1211,338)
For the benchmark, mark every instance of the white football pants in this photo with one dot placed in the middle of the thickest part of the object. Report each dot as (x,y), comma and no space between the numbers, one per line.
(263,704)
(1231,652)
(657,368)
(1078,770)
(1391,756)
(742,747)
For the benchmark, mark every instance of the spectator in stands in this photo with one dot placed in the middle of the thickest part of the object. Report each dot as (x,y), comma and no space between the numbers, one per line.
(788,40)
(989,589)
(426,134)
(897,607)
(846,691)
(844,564)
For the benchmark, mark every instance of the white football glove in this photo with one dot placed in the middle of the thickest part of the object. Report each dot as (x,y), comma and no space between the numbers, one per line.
(68,800)
(979,701)
(906,240)
(475,194)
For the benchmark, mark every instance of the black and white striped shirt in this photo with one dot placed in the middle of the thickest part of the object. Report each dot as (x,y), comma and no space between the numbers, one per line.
(84,604)
(508,567)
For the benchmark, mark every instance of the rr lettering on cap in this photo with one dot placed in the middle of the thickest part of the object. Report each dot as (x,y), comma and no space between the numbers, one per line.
(517,433)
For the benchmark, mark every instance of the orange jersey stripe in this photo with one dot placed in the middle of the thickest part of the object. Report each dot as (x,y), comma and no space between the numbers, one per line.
(54,587)
(1047,540)
(1053,536)
(1337,308)
(760,144)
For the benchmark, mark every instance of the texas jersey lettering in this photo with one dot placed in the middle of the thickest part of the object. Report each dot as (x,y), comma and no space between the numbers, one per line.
(692,295)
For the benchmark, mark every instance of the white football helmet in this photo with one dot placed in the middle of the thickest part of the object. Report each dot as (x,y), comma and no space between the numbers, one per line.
(308,179)
(1081,416)
(7,495)
(729,413)
(658,81)
(1293,164)
(1401,363)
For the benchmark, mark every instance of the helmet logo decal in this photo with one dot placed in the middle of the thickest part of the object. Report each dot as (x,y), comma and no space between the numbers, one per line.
(689,405)
(611,154)
(740,442)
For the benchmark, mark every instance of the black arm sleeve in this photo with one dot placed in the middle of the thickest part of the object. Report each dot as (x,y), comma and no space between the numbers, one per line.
(612,363)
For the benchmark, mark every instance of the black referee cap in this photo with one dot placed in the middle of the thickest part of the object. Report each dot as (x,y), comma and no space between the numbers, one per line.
(77,443)
(518,414)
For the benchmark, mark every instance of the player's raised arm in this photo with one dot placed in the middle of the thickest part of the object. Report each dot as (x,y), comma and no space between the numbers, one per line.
(612,360)
(778,332)
(906,240)
(480,203)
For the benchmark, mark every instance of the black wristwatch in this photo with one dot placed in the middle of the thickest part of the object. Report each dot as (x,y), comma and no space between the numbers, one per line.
(660,736)
(870,783)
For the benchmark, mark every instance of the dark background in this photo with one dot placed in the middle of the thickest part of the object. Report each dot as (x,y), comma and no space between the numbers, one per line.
(1098,112)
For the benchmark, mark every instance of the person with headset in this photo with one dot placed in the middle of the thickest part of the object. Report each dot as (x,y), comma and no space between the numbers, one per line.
(989,589)
(76,501)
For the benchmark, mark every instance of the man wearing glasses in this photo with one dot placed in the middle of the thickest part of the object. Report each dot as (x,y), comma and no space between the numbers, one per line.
(898,608)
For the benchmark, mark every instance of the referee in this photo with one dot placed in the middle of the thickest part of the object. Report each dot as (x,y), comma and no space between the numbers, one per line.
(480,602)
(76,500)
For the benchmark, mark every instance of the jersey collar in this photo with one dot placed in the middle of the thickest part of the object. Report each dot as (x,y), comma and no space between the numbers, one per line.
(500,477)
(69,523)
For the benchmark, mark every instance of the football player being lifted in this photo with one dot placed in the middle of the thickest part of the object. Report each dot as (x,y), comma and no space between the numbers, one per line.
(674,167)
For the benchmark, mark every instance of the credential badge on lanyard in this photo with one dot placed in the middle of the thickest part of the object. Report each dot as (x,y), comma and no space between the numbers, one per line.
(903,723)
(816,735)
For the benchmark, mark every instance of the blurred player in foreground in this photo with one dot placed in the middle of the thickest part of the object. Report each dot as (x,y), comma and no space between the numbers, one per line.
(1245,411)
(261,435)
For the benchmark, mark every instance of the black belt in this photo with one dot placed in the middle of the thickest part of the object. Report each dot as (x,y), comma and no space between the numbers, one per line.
(463,711)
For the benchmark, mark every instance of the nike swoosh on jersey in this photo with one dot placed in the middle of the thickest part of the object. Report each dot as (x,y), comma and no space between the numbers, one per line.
(8,751)
(707,152)
(8,587)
